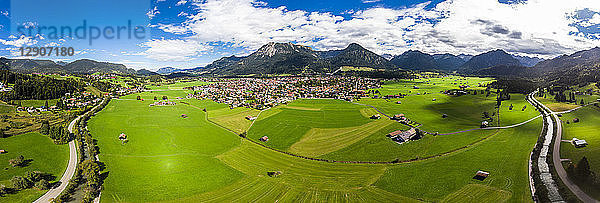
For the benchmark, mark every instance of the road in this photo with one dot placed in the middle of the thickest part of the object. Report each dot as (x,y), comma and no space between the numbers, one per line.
(560,170)
(64,180)
(71,167)
(556,160)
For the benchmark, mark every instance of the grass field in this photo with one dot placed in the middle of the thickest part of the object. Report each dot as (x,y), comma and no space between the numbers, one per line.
(296,119)
(549,101)
(177,85)
(505,155)
(169,158)
(36,103)
(587,129)
(41,154)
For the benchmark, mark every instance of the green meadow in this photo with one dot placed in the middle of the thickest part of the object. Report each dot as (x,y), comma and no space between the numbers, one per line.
(40,153)
(201,158)
(586,129)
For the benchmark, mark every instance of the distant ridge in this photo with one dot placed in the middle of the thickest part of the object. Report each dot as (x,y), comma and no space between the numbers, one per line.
(282,58)
(81,66)
(488,59)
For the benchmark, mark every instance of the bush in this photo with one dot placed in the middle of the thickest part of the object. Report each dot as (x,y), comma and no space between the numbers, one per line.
(45,129)
(17,161)
(3,190)
(19,182)
(42,185)
(33,176)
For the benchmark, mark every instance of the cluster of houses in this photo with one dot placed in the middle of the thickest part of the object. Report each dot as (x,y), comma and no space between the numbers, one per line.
(68,102)
(162,103)
(79,100)
(263,93)
(122,91)
(33,109)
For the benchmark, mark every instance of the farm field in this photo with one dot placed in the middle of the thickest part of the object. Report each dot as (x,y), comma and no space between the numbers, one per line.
(298,127)
(549,102)
(46,157)
(586,129)
(201,157)
(504,155)
(177,86)
(163,150)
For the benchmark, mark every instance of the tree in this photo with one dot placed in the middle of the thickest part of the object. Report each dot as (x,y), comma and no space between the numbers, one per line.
(155,98)
(2,134)
(581,102)
(42,185)
(18,161)
(3,190)
(164,97)
(46,104)
(582,169)
(33,176)
(19,182)
(138,97)
(45,129)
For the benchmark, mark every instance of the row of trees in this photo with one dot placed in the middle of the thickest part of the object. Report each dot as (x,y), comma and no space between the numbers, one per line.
(88,169)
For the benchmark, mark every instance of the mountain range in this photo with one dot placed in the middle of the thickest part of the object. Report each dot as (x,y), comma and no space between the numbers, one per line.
(82,66)
(289,58)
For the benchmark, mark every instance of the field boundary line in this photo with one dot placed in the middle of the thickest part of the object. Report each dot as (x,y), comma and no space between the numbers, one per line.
(354,162)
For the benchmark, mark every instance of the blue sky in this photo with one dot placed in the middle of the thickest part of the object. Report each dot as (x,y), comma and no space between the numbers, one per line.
(192,33)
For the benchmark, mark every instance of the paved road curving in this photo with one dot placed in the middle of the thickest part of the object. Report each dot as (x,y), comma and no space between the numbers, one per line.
(64,180)
(71,167)
(556,160)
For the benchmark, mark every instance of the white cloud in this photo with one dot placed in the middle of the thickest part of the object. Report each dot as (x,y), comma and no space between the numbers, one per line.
(23,40)
(595,19)
(181,2)
(153,12)
(174,49)
(370,1)
(182,14)
(536,27)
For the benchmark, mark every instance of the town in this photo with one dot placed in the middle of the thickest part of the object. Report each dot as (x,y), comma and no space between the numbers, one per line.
(262,93)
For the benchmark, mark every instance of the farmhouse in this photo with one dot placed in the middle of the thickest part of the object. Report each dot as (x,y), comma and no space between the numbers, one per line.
(481,175)
(2,151)
(398,117)
(398,102)
(579,143)
(184,115)
(403,136)
(250,118)
(576,120)
(264,138)
(484,124)
(376,116)
(122,136)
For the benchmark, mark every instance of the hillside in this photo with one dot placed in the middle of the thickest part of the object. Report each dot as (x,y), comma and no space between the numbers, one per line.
(489,59)
(87,66)
(415,60)
(82,66)
(283,58)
